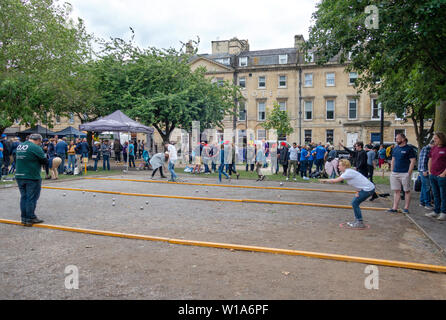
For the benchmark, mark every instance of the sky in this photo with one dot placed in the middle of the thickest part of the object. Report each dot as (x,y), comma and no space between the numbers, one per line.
(167,23)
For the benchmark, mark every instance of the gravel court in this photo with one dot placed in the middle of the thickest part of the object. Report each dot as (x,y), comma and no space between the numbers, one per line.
(279,226)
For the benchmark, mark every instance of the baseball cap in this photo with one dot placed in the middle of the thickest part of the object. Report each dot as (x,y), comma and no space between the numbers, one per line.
(3,135)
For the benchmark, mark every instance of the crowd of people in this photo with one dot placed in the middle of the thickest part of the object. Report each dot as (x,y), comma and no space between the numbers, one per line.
(25,160)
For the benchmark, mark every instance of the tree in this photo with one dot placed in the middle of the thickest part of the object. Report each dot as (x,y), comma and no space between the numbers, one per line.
(158,87)
(279,120)
(39,49)
(409,33)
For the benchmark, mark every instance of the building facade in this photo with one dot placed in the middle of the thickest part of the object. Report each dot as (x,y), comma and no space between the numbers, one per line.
(321,100)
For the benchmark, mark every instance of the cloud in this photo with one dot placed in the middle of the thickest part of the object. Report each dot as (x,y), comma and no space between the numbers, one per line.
(266,24)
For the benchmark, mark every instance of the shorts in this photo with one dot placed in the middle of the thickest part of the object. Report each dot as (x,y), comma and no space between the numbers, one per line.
(398,179)
(197,160)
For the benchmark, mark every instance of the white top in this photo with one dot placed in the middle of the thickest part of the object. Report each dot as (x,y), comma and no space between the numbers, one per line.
(357,180)
(172,153)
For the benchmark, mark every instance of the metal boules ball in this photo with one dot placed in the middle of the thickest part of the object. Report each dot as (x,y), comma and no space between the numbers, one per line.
(64,194)
(147,202)
(94,195)
(113,199)
(281,183)
(142,208)
(113,204)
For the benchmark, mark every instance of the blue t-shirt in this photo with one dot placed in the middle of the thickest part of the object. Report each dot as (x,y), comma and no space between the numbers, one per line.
(320,152)
(382,154)
(402,157)
(131,149)
(303,155)
(1,152)
(311,158)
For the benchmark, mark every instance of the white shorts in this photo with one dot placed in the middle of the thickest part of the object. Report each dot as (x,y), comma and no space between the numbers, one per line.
(398,180)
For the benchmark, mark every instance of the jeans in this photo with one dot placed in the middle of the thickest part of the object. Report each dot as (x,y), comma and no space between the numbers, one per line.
(61,168)
(370,170)
(106,160)
(1,163)
(132,160)
(249,166)
(438,185)
(292,166)
(171,168)
(303,168)
(362,196)
(309,166)
(220,172)
(71,162)
(425,194)
(319,164)
(29,194)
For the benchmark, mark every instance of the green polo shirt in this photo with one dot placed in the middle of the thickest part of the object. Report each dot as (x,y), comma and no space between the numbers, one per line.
(29,159)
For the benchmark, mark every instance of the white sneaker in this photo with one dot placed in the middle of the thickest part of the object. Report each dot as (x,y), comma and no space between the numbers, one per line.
(432,215)
(442,217)
(287,179)
(295,179)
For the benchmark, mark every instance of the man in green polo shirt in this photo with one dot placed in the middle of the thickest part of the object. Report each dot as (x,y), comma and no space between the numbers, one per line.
(29,159)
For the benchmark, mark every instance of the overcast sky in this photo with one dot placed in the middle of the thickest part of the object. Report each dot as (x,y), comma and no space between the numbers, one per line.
(266,24)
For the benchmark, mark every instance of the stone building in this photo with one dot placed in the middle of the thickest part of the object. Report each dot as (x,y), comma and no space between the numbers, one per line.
(321,100)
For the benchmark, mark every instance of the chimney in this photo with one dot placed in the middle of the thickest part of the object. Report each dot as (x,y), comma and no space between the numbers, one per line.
(299,42)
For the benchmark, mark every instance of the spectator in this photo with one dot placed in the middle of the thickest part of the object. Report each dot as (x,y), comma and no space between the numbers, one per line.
(132,155)
(320,153)
(106,151)
(381,155)
(303,162)
(124,151)
(370,161)
(293,156)
(260,161)
(117,148)
(1,159)
(437,170)
(30,157)
(71,156)
(173,156)
(6,155)
(403,162)
(14,146)
(284,157)
(45,146)
(95,154)
(331,165)
(61,151)
(84,148)
(222,163)
(423,159)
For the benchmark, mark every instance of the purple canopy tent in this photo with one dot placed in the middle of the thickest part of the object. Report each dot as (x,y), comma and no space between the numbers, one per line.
(118,122)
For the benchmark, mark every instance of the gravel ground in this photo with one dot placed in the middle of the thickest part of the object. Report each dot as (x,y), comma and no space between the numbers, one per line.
(34,260)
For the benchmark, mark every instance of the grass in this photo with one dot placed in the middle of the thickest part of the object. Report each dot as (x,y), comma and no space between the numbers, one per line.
(67,176)
(377,178)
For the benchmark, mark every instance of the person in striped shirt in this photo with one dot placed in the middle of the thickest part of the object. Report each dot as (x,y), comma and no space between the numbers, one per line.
(425,194)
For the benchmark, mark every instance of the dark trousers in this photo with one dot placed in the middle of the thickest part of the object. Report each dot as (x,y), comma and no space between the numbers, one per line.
(250,166)
(132,160)
(118,156)
(303,168)
(232,169)
(161,172)
(285,169)
(29,194)
(370,170)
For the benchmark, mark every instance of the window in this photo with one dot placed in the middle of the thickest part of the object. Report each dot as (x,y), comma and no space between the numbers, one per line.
(309,57)
(261,134)
(283,59)
(308,138)
(330,109)
(242,82)
(308,79)
(376,109)
(398,131)
(262,82)
(352,109)
(352,78)
(282,81)
(57,119)
(242,111)
(261,107)
(308,110)
(71,118)
(329,134)
(282,105)
(225,61)
(330,79)
(243,61)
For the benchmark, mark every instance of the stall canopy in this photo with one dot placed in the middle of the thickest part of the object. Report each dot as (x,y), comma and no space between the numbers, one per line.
(117,121)
(38,129)
(71,132)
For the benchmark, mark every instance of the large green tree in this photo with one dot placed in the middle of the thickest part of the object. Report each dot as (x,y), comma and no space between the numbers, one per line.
(407,37)
(279,120)
(158,87)
(40,49)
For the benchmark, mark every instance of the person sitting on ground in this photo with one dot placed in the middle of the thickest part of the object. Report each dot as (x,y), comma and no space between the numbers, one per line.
(364,188)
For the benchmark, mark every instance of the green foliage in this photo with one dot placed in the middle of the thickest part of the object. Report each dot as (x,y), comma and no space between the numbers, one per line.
(278,120)
(40,47)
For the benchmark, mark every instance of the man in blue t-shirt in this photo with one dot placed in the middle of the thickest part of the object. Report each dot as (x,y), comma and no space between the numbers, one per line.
(320,152)
(403,162)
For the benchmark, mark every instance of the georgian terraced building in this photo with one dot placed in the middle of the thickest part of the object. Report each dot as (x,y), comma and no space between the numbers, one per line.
(320,99)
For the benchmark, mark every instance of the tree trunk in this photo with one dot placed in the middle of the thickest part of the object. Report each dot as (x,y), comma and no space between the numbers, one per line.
(440,116)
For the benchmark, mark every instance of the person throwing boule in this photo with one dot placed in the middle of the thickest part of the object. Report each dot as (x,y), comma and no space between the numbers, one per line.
(364,188)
